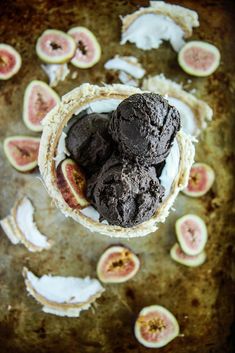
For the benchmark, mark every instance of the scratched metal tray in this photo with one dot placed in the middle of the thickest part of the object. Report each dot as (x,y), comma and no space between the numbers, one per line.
(200,298)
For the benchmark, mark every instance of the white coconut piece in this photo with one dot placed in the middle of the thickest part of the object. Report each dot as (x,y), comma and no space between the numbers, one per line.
(56,73)
(194,112)
(128,64)
(127,79)
(21,228)
(149,26)
(63,296)
(7,226)
(62,151)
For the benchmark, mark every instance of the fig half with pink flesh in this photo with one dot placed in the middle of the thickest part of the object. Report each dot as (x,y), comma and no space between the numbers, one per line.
(199,58)
(179,256)
(117,264)
(88,49)
(156,326)
(72,184)
(22,152)
(39,99)
(55,47)
(201,179)
(191,233)
(10,61)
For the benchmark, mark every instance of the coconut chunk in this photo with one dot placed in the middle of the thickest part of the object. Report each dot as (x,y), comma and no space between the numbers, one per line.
(149,26)
(194,112)
(21,228)
(8,228)
(128,64)
(63,296)
(127,79)
(56,73)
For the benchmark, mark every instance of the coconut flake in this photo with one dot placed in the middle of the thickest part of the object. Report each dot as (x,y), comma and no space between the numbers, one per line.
(64,296)
(149,26)
(23,213)
(170,169)
(21,228)
(62,150)
(127,79)
(149,30)
(188,119)
(56,73)
(7,226)
(194,112)
(128,64)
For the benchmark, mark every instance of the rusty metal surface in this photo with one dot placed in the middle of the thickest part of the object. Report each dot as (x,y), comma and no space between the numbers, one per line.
(200,298)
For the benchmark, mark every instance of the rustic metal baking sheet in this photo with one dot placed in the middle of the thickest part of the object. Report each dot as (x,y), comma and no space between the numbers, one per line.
(200,298)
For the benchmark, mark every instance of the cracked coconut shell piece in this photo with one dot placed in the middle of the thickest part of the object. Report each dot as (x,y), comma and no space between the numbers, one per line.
(20,227)
(56,120)
(201,110)
(63,296)
(185,18)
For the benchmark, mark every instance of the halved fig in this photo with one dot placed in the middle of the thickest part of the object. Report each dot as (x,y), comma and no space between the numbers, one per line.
(191,232)
(55,47)
(179,256)
(22,152)
(72,184)
(156,326)
(117,264)
(199,58)
(201,179)
(10,61)
(88,48)
(39,99)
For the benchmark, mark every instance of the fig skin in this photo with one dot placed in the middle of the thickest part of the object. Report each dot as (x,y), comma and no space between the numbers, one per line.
(75,198)
(199,51)
(153,320)
(201,179)
(59,58)
(51,95)
(179,256)
(10,52)
(95,46)
(22,152)
(122,257)
(189,230)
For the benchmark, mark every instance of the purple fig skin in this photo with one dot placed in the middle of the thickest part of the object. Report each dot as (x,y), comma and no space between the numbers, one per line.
(156,326)
(72,184)
(117,264)
(191,233)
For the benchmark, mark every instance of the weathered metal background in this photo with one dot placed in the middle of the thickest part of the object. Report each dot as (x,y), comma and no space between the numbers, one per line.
(201,298)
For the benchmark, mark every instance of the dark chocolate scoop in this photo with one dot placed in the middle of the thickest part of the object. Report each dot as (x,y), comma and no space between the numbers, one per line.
(125,193)
(144,127)
(89,142)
